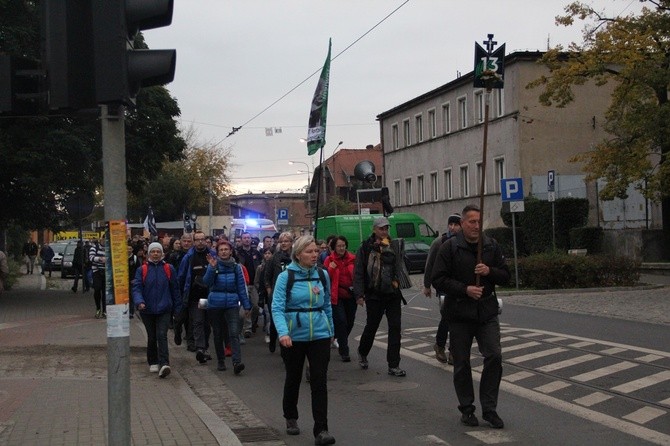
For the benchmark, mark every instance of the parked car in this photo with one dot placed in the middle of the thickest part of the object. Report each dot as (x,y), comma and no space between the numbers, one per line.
(416,254)
(59,248)
(67,265)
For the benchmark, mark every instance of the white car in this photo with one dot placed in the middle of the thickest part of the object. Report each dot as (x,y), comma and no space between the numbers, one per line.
(59,249)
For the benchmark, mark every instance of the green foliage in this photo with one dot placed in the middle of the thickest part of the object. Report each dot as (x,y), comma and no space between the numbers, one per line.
(336,206)
(536,226)
(14,273)
(505,239)
(589,238)
(560,271)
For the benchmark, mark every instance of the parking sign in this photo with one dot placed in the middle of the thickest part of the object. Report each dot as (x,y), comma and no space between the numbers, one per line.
(282,216)
(511,189)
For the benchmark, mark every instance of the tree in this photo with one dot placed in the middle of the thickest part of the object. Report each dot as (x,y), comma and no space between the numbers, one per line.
(634,52)
(336,206)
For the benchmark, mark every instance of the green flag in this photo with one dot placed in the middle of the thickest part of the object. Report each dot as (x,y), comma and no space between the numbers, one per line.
(316,133)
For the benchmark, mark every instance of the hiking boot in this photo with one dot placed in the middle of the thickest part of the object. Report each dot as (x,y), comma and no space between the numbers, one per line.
(493,419)
(397,371)
(237,368)
(200,356)
(153,368)
(177,337)
(450,359)
(324,438)
(440,354)
(164,371)
(363,361)
(469,419)
(292,427)
(221,366)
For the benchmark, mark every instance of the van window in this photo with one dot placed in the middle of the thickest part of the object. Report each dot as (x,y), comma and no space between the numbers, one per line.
(426,230)
(405,230)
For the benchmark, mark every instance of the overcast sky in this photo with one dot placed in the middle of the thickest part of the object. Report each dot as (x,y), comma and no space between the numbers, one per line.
(235,58)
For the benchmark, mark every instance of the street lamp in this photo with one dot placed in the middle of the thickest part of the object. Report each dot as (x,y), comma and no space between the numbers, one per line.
(309,177)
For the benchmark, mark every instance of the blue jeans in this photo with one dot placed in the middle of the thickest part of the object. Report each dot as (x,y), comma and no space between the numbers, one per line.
(344,314)
(488,340)
(220,319)
(157,344)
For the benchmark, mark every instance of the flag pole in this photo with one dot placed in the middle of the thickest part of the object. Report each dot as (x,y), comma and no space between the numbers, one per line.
(318,193)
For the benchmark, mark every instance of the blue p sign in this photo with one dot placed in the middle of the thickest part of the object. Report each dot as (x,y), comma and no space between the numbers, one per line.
(511,189)
(551,181)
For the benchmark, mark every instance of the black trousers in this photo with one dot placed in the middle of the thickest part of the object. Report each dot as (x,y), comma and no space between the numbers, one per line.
(318,354)
(344,315)
(488,341)
(376,307)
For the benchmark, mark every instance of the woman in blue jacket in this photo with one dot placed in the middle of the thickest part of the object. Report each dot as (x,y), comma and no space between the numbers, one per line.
(303,316)
(156,295)
(227,291)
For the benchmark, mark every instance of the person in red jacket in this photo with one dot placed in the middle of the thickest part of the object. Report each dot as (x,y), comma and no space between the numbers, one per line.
(340,264)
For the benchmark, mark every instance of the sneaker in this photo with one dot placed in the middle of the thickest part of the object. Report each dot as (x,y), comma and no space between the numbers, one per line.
(177,337)
(346,358)
(221,366)
(450,359)
(267,339)
(153,368)
(440,354)
(247,334)
(229,351)
(493,419)
(469,419)
(292,427)
(324,438)
(164,371)
(363,361)
(397,371)
(98,314)
(200,356)
(237,368)
(334,344)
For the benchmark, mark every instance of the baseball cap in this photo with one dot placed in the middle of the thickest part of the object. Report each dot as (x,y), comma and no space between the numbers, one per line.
(380,222)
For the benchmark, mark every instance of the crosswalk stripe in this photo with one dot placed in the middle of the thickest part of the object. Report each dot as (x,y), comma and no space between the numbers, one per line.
(593,399)
(644,415)
(417,346)
(568,363)
(613,351)
(552,387)
(641,383)
(581,344)
(540,354)
(649,358)
(520,346)
(604,371)
(518,376)
(556,339)
(531,335)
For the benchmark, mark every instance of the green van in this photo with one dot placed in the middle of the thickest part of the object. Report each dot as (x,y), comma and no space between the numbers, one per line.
(356,228)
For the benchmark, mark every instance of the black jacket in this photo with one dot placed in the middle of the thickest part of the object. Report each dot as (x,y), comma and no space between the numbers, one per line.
(454,271)
(363,286)
(280,260)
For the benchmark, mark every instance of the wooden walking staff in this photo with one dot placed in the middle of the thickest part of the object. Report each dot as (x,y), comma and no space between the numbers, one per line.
(489,71)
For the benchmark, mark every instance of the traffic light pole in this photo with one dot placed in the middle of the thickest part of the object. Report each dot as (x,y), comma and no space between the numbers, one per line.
(116,202)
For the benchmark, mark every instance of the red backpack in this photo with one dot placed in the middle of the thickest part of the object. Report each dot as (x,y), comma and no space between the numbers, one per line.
(145,269)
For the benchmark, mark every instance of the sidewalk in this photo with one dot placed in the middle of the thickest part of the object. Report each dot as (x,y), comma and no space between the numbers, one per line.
(53,378)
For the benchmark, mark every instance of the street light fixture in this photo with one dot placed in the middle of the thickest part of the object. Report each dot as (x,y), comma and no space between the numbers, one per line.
(309,177)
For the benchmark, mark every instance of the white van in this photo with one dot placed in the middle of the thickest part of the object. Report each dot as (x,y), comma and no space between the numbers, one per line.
(257,227)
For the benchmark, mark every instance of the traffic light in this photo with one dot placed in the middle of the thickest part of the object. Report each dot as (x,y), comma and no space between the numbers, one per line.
(21,89)
(120,70)
(188,227)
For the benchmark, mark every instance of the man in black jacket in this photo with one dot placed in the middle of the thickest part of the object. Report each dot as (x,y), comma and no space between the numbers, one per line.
(472,312)
(376,284)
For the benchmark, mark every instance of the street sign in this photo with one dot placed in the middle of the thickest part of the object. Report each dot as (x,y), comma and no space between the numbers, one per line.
(489,65)
(282,216)
(551,196)
(551,181)
(516,206)
(511,189)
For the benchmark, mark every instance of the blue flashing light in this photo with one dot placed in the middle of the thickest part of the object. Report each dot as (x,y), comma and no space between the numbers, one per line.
(251,222)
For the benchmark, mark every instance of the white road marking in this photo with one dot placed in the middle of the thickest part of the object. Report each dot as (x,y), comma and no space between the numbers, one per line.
(649,358)
(418,346)
(520,346)
(641,383)
(552,387)
(581,344)
(644,415)
(431,439)
(492,436)
(593,399)
(556,339)
(567,363)
(604,371)
(518,376)
(613,351)
(540,354)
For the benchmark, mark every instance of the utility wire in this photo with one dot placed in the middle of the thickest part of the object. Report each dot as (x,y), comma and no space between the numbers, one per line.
(236,129)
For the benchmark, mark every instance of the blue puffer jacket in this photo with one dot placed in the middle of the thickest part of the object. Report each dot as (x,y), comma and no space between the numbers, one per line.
(159,294)
(315,319)
(226,287)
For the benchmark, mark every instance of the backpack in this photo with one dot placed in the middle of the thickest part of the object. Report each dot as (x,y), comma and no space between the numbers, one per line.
(291,280)
(145,269)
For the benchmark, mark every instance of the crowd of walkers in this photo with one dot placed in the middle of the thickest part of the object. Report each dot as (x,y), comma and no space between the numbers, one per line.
(303,294)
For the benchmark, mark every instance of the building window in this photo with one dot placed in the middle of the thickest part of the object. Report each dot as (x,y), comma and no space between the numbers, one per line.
(396,193)
(498,172)
(408,191)
(405,130)
(500,102)
(448,185)
(465,182)
(421,189)
(446,118)
(432,124)
(462,112)
(433,186)
(396,136)
(478,179)
(418,125)
(479,106)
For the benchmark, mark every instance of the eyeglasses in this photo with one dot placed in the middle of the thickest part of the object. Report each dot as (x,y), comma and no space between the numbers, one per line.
(199,239)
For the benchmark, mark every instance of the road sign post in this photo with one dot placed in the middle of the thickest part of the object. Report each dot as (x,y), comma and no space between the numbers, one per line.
(511,192)
(551,196)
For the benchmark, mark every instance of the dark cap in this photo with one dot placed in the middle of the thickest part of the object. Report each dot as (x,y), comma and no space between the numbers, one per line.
(454,218)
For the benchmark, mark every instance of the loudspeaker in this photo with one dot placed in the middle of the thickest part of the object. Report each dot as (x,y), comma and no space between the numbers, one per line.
(365,171)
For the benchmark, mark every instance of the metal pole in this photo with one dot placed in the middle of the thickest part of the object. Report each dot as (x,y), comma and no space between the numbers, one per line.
(211,208)
(318,194)
(116,203)
(553,226)
(487,99)
(516,261)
